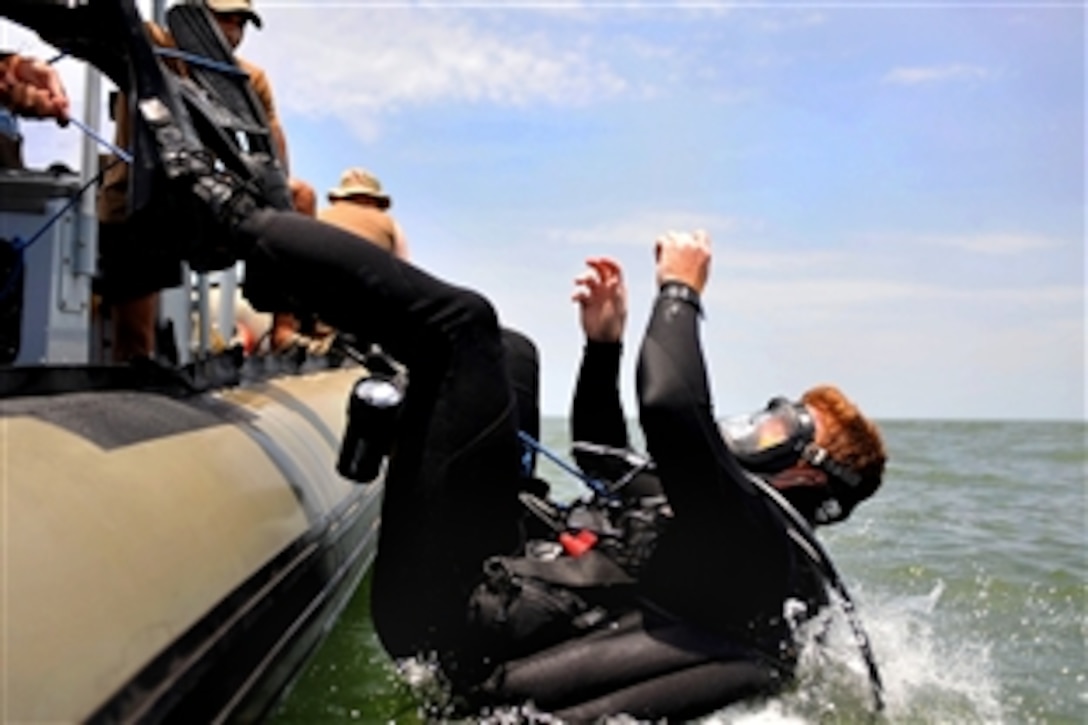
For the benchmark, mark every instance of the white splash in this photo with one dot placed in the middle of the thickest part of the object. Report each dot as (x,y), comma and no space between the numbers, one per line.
(929,674)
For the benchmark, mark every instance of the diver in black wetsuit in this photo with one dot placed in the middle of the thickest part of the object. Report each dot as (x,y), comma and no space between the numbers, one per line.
(714,587)
(744,548)
(706,625)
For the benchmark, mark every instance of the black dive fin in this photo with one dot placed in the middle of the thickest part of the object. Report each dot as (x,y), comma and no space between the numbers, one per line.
(226,111)
(195,32)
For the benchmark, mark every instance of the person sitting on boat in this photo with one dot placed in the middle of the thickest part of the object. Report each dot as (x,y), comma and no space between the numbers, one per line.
(358,205)
(132,274)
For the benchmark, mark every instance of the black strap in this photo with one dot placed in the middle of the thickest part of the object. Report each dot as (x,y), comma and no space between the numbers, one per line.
(194,32)
(589,571)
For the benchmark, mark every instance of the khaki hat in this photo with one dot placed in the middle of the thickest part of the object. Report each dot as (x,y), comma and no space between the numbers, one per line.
(360,182)
(235,6)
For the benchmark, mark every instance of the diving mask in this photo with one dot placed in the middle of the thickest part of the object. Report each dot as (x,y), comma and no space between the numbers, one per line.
(779,436)
(772,439)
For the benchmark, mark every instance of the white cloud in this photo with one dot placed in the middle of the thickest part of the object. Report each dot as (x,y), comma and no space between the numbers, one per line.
(784,20)
(936,74)
(641,229)
(993,244)
(360,65)
(996,244)
(822,293)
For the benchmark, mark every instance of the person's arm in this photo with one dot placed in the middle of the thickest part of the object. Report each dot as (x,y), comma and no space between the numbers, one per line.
(32,88)
(675,407)
(724,560)
(400,243)
(303,198)
(263,90)
(596,411)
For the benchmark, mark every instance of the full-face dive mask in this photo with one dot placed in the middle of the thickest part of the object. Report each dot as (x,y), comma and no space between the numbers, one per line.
(770,440)
(777,437)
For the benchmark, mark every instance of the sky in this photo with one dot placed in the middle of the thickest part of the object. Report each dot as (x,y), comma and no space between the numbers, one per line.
(895,190)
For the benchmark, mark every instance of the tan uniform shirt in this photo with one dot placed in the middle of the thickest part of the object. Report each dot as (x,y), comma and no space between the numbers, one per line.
(368,222)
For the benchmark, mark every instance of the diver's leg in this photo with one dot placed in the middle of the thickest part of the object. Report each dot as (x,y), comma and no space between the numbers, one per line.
(95,31)
(451,489)
(641,666)
(523,369)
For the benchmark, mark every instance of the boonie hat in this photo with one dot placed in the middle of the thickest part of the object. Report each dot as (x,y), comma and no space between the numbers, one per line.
(244,7)
(360,182)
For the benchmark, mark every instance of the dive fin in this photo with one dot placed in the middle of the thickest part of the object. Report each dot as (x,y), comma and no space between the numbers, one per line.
(196,33)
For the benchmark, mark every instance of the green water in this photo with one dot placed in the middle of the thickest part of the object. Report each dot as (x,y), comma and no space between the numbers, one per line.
(350,679)
(970,569)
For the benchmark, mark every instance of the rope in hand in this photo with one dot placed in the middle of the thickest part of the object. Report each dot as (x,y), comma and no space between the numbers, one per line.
(18,245)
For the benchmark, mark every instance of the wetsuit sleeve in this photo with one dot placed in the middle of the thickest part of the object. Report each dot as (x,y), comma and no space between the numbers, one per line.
(596,414)
(723,562)
(673,391)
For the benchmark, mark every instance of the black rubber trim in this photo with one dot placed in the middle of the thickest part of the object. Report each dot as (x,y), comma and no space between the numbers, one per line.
(107,405)
(223,370)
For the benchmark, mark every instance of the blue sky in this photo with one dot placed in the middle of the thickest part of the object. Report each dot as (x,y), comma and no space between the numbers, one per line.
(896,191)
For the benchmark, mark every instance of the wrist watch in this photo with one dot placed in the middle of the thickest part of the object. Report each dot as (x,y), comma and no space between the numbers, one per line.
(673,290)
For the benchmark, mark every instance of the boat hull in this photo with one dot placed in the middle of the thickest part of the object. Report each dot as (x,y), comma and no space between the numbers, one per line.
(174,558)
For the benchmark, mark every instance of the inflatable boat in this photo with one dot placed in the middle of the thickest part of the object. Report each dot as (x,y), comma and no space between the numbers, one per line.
(175,540)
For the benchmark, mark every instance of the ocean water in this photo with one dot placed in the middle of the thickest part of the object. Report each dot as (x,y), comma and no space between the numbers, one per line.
(969,569)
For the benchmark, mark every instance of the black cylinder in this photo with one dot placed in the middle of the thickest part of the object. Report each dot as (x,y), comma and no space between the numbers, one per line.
(372,414)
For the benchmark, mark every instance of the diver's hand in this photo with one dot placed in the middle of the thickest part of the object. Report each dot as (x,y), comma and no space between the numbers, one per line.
(683,257)
(602,297)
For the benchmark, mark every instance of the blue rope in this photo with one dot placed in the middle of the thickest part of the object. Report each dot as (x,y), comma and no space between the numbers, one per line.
(596,486)
(20,246)
(227,68)
(117,150)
